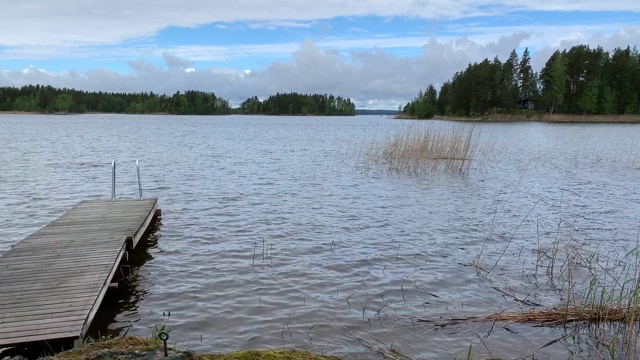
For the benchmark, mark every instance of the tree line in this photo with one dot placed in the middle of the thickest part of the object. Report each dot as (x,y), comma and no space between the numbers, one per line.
(298,104)
(47,99)
(580,80)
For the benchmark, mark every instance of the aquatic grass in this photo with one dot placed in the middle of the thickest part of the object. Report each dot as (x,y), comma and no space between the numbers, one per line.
(419,151)
(599,293)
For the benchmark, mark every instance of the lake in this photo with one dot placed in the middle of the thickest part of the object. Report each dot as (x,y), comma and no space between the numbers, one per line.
(278,232)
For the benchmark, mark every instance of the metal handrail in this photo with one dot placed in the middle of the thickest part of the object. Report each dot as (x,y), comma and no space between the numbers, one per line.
(139,183)
(113,180)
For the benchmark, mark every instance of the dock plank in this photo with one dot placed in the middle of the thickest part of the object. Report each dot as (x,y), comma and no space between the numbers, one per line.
(44,300)
(53,281)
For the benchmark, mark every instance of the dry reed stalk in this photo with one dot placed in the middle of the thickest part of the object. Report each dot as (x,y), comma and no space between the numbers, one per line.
(425,151)
(555,317)
(562,316)
(599,291)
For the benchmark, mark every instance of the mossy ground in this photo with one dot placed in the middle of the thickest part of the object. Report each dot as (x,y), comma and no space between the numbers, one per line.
(135,348)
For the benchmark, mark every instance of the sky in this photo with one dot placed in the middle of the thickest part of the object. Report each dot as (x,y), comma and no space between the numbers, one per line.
(378,53)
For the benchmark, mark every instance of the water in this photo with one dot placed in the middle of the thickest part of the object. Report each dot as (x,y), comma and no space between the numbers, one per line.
(276,233)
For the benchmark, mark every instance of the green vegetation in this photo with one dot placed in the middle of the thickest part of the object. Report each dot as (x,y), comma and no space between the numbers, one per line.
(298,104)
(47,99)
(589,291)
(130,347)
(580,81)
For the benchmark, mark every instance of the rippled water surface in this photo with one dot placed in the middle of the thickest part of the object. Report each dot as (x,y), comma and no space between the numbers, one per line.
(277,232)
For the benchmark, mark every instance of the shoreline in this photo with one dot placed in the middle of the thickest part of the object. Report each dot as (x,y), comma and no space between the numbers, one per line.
(11,112)
(546,118)
(133,347)
(496,118)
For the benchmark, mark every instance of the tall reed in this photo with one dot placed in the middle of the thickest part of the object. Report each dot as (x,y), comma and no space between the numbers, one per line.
(599,294)
(424,151)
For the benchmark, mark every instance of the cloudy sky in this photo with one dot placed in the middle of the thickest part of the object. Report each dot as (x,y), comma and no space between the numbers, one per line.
(379,53)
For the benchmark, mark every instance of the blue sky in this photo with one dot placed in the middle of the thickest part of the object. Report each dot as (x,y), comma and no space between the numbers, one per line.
(379,53)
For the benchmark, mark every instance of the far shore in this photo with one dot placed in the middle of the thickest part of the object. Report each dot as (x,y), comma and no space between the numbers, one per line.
(554,118)
(21,112)
(549,118)
(13,112)
(159,113)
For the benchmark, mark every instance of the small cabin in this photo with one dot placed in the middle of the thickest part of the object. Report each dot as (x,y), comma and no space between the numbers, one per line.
(527,103)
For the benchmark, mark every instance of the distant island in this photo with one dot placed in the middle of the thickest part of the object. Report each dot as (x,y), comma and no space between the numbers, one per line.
(578,85)
(376,112)
(298,104)
(50,100)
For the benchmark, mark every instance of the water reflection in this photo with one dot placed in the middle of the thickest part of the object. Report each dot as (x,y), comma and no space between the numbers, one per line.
(124,299)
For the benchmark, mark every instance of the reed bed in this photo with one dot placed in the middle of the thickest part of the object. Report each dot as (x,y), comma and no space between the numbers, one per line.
(568,315)
(597,290)
(425,151)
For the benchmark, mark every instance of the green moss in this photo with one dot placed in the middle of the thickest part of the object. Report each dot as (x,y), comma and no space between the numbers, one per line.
(135,348)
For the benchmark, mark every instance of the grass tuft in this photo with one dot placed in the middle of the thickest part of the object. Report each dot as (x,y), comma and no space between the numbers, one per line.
(425,151)
(598,290)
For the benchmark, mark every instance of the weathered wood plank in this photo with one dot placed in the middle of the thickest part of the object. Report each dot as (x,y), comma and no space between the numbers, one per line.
(19,263)
(37,331)
(66,314)
(55,251)
(52,282)
(69,303)
(62,335)
(31,300)
(54,285)
(16,275)
(49,322)
(49,326)
(80,288)
(15,316)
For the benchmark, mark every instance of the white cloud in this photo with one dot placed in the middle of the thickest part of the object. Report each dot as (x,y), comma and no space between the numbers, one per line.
(536,37)
(80,22)
(372,78)
(369,77)
(33,70)
(272,25)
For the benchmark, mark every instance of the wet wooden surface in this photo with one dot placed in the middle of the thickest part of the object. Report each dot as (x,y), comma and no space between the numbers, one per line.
(52,282)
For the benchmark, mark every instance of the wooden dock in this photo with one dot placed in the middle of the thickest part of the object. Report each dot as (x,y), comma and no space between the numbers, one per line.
(52,282)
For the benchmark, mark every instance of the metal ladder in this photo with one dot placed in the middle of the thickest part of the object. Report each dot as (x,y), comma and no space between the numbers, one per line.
(113,180)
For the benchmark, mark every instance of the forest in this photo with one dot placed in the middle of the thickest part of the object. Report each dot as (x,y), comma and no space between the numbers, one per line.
(298,104)
(580,81)
(47,99)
